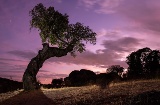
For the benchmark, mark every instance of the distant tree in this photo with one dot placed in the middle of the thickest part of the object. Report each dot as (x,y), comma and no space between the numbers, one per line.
(136,61)
(124,75)
(55,31)
(82,77)
(88,76)
(104,79)
(153,63)
(74,78)
(67,82)
(115,68)
(47,86)
(7,85)
(57,82)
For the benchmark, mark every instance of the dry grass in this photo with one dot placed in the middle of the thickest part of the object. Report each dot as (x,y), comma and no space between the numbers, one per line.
(4,96)
(124,93)
(92,95)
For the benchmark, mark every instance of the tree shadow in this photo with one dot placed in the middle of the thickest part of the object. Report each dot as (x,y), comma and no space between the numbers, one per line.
(29,98)
(146,98)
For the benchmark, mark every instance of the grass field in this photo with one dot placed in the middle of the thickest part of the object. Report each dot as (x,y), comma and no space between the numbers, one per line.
(140,92)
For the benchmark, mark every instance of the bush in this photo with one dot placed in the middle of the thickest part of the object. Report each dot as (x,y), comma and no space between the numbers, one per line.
(103,79)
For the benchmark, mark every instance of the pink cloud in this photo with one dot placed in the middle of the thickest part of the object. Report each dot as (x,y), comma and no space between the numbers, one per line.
(101,6)
(144,13)
(113,53)
(137,21)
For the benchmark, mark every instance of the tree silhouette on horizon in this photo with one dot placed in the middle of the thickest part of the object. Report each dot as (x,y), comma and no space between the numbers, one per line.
(144,63)
(58,39)
(136,62)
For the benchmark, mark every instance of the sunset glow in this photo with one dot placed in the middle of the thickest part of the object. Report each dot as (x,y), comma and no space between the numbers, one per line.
(122,26)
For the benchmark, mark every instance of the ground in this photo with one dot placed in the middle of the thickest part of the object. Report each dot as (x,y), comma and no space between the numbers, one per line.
(141,92)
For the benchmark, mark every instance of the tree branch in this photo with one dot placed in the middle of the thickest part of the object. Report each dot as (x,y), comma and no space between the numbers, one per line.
(61,39)
(48,52)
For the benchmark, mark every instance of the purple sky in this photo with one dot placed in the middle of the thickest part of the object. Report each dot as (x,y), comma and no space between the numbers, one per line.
(122,26)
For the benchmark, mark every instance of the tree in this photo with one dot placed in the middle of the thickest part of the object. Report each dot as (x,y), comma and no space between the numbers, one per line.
(153,63)
(82,77)
(58,39)
(136,61)
(104,79)
(57,82)
(115,68)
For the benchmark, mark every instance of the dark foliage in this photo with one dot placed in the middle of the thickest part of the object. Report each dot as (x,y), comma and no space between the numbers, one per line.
(115,68)
(81,78)
(152,64)
(9,85)
(104,79)
(57,83)
(144,63)
(146,98)
(47,86)
(67,81)
(55,29)
(136,61)
(124,75)
(58,37)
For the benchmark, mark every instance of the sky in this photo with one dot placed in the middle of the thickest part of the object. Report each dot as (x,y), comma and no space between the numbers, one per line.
(122,26)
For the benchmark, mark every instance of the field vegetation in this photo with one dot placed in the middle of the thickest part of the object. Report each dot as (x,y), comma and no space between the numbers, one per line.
(138,92)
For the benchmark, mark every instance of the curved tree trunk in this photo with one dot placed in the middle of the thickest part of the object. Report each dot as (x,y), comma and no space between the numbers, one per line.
(29,76)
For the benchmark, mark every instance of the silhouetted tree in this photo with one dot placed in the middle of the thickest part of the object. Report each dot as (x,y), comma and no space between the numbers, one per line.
(115,68)
(73,78)
(82,77)
(7,85)
(88,77)
(57,82)
(56,31)
(124,75)
(67,82)
(104,79)
(136,61)
(47,86)
(153,63)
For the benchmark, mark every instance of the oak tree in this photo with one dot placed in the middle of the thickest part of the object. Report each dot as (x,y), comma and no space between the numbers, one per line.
(59,38)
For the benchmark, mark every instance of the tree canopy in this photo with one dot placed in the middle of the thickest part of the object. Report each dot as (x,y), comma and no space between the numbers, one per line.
(82,77)
(153,62)
(136,61)
(55,29)
(144,62)
(115,68)
(58,39)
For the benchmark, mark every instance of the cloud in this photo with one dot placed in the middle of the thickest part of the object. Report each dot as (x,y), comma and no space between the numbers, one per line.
(114,52)
(101,6)
(51,75)
(108,6)
(3,63)
(43,71)
(109,33)
(59,1)
(88,3)
(10,67)
(9,59)
(144,14)
(23,54)
(124,44)
(12,71)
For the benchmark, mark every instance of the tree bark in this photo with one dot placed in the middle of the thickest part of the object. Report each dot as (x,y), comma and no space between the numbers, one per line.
(29,76)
